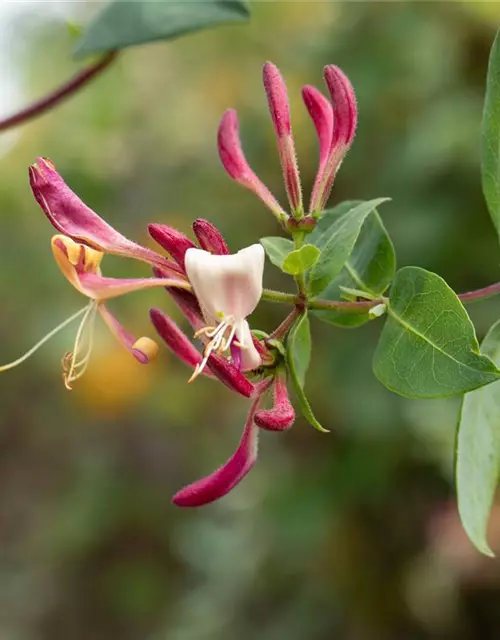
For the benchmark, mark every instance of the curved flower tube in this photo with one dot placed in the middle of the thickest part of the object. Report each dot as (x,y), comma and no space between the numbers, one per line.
(232,472)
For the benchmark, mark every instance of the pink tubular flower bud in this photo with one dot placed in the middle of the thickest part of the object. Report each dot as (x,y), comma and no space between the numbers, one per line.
(221,481)
(229,375)
(282,415)
(209,237)
(345,111)
(174,338)
(321,113)
(345,117)
(279,107)
(173,241)
(236,165)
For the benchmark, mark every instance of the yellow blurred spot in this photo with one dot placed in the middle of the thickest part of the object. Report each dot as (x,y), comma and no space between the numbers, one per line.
(114,381)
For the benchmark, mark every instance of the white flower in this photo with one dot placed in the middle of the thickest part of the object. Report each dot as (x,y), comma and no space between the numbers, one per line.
(228,288)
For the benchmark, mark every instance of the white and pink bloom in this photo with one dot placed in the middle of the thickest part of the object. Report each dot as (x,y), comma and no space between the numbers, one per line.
(226,289)
(335,124)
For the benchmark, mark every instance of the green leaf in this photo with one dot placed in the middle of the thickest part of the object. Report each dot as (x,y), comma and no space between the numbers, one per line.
(298,357)
(369,269)
(132,22)
(428,347)
(336,244)
(490,166)
(301,260)
(477,466)
(277,249)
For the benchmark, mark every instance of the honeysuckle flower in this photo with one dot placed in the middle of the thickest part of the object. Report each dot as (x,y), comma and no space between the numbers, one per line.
(225,290)
(78,249)
(228,288)
(335,124)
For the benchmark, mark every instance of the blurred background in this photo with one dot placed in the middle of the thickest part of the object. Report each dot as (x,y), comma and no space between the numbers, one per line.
(353,535)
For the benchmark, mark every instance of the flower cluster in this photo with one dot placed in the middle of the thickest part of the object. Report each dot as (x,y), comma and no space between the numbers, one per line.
(335,124)
(216,291)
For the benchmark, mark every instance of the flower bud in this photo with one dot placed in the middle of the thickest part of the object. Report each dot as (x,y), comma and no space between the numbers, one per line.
(209,237)
(236,165)
(282,415)
(277,97)
(173,241)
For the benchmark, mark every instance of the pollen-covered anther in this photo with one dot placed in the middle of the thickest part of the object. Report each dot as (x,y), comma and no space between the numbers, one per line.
(146,346)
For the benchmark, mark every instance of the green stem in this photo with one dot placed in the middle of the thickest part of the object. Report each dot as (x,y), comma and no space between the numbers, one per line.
(360,305)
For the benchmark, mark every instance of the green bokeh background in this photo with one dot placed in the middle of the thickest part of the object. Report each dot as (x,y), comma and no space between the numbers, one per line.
(352,535)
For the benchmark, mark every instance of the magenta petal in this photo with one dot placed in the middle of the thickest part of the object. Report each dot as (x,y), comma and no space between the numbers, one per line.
(282,415)
(71,217)
(175,338)
(229,375)
(236,165)
(220,482)
(143,349)
(173,241)
(99,287)
(187,303)
(209,237)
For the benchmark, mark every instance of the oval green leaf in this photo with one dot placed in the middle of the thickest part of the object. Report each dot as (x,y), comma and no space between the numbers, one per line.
(477,465)
(133,22)
(336,244)
(490,165)
(369,269)
(277,249)
(298,357)
(428,347)
(300,260)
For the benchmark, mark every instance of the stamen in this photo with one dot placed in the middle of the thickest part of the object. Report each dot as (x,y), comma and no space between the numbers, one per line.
(45,339)
(73,367)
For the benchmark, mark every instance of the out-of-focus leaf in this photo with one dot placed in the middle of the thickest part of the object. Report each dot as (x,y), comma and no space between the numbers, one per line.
(490,167)
(301,260)
(125,23)
(478,451)
(336,244)
(428,348)
(369,269)
(298,357)
(277,249)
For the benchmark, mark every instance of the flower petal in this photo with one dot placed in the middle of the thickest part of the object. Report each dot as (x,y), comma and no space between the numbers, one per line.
(186,301)
(101,288)
(71,217)
(173,241)
(228,285)
(220,482)
(175,339)
(236,165)
(250,357)
(209,237)
(282,415)
(143,349)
